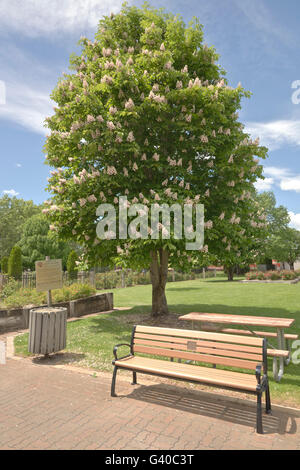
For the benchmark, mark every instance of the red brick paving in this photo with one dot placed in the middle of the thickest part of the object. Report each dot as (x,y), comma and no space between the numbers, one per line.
(43,407)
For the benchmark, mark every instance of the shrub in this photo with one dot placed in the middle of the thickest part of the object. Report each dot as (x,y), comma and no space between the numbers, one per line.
(15,263)
(261,276)
(71,264)
(9,288)
(272,275)
(73,292)
(275,275)
(4,265)
(79,291)
(288,275)
(22,297)
(254,275)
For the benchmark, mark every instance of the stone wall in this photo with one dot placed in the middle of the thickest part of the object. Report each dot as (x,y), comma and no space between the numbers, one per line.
(18,318)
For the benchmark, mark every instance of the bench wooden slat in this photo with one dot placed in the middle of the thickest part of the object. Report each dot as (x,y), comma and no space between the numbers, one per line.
(183,341)
(272,322)
(142,339)
(206,375)
(167,365)
(267,334)
(278,353)
(193,334)
(197,357)
(202,349)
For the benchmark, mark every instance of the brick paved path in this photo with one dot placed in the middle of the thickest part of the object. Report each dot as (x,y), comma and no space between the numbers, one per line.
(44,407)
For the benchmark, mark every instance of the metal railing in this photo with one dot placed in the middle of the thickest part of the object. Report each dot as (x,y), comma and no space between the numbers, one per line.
(108,279)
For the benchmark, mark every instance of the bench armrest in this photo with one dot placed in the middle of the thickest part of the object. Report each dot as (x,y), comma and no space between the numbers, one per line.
(116,350)
(258,373)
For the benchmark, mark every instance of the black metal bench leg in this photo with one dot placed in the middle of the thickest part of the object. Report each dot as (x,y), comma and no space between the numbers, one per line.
(268,400)
(134,382)
(259,427)
(113,383)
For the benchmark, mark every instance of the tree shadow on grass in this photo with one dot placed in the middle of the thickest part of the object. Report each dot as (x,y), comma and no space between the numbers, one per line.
(185,289)
(234,310)
(118,320)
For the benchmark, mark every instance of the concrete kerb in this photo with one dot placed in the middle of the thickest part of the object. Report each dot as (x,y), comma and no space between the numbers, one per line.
(267,281)
(18,318)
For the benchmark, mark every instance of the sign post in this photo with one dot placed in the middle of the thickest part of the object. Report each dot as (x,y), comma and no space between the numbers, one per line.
(47,325)
(49,296)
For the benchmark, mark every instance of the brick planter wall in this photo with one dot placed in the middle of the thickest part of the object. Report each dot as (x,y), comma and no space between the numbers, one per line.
(18,318)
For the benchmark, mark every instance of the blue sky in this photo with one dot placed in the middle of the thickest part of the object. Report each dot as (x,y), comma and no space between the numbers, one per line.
(259,46)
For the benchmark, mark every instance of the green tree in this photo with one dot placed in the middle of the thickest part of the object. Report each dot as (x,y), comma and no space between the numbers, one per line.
(279,236)
(146,112)
(13,214)
(71,264)
(37,242)
(286,246)
(15,265)
(243,241)
(293,245)
(277,216)
(4,265)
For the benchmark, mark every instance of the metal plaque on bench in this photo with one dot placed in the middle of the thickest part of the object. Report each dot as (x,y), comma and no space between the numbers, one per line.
(192,345)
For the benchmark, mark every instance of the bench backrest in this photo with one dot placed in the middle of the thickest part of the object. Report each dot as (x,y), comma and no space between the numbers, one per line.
(215,348)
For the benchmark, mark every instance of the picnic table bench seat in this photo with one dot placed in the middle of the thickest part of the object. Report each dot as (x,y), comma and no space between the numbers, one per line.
(210,349)
(273,352)
(267,334)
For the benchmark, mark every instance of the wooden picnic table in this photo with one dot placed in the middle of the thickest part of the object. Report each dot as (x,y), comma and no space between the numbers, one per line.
(248,321)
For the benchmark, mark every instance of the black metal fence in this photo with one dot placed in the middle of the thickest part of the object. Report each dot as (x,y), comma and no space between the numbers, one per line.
(110,279)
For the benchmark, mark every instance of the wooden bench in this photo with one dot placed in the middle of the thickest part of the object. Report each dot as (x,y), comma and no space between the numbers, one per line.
(242,352)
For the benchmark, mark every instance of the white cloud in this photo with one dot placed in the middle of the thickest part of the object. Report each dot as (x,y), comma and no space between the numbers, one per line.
(295,220)
(290,184)
(264,185)
(277,173)
(284,178)
(27,107)
(275,134)
(10,192)
(48,17)
(18,165)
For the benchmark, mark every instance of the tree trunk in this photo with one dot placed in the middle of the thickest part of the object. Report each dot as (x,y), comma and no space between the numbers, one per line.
(159,275)
(230,272)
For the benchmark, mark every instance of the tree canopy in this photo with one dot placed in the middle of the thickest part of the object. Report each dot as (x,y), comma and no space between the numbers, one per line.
(13,214)
(282,242)
(15,264)
(146,112)
(37,242)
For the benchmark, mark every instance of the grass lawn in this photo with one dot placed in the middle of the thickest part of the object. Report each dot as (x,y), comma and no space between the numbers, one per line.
(90,341)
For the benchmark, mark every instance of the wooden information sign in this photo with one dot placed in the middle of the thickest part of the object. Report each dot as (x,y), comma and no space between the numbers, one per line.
(48,275)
